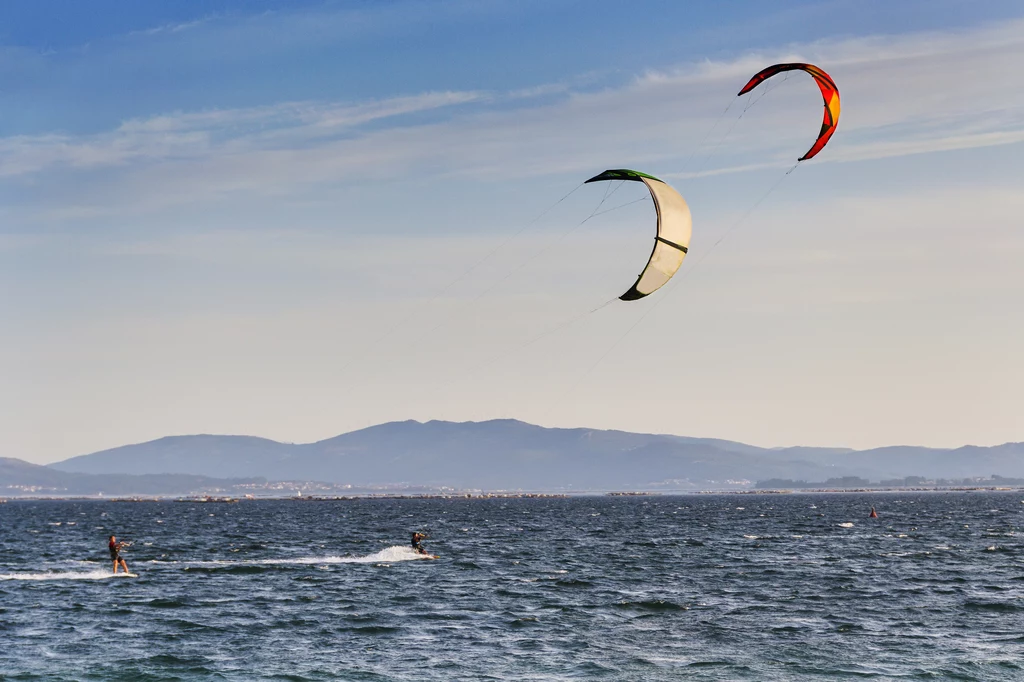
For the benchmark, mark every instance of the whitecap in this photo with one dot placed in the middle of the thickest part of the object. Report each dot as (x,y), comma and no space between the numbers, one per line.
(846,525)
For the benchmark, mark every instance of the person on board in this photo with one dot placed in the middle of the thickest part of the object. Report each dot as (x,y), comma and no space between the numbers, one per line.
(416,539)
(115,553)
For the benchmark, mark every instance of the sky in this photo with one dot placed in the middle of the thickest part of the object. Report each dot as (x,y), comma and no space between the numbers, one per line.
(293,220)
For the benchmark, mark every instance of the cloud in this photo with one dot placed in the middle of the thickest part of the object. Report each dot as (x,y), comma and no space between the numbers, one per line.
(175,27)
(903,95)
(199,135)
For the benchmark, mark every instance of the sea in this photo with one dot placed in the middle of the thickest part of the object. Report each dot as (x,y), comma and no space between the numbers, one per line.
(694,587)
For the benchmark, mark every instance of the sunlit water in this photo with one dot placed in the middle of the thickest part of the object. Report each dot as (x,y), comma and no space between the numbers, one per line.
(730,587)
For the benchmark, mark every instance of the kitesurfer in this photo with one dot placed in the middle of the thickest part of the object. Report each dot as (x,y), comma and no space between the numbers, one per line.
(416,539)
(115,553)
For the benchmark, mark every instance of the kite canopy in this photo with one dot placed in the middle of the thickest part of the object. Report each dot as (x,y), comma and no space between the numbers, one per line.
(829,92)
(672,240)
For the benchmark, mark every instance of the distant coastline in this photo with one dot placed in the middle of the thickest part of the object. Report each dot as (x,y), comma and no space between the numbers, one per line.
(503,495)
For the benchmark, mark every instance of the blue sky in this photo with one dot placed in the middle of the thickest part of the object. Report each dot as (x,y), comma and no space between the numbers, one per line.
(247,218)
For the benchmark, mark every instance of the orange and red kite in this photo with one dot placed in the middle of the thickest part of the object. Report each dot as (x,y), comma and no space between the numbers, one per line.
(829,92)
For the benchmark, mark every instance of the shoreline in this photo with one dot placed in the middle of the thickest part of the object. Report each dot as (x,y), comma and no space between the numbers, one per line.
(497,495)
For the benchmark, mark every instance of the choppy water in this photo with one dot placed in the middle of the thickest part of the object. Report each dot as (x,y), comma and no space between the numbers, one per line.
(731,587)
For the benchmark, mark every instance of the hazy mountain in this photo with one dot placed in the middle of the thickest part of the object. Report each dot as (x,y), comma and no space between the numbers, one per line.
(198,455)
(509,454)
(22,478)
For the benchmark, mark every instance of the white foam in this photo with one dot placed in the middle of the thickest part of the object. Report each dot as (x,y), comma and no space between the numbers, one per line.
(65,575)
(846,525)
(389,555)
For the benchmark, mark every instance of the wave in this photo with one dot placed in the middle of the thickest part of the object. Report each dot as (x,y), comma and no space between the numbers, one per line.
(652,605)
(1001,607)
(67,575)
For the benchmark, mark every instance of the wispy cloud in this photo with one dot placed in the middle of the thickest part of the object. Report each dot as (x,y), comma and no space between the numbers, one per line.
(175,27)
(197,135)
(903,95)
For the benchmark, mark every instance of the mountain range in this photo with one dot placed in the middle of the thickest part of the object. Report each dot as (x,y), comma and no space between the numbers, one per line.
(512,455)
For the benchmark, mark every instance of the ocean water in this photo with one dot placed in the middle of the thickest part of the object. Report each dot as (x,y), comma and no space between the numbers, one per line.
(701,587)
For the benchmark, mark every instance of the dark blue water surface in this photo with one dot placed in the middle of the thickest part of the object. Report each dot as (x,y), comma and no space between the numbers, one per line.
(716,587)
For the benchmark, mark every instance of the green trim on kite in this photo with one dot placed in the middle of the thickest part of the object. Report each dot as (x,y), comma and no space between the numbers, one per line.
(622,174)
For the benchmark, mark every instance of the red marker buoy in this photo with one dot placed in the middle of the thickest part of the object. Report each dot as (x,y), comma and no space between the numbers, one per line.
(873,515)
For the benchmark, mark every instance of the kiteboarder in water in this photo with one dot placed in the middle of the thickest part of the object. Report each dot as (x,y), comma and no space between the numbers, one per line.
(416,539)
(115,553)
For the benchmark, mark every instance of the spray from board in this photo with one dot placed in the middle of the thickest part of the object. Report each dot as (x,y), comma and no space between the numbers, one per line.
(389,555)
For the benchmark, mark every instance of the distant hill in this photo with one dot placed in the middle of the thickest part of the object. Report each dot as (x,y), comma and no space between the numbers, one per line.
(509,454)
(18,477)
(214,456)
